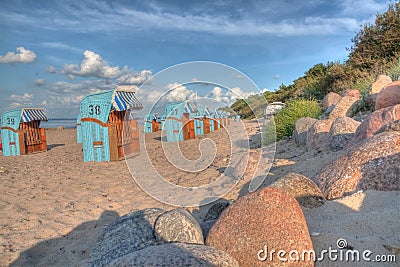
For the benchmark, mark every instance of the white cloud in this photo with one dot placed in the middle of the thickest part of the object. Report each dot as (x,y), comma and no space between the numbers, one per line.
(22,56)
(362,7)
(93,65)
(15,105)
(123,18)
(24,97)
(178,92)
(21,100)
(228,96)
(129,77)
(50,69)
(40,82)
(151,96)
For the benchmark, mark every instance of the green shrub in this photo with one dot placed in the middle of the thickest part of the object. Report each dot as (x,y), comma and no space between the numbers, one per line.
(394,71)
(284,120)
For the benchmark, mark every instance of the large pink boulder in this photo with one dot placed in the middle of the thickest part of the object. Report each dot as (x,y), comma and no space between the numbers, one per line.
(330,100)
(370,165)
(265,220)
(376,88)
(389,96)
(374,122)
(346,107)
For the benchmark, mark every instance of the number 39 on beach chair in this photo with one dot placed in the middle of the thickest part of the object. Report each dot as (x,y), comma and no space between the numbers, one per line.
(108,131)
(20,132)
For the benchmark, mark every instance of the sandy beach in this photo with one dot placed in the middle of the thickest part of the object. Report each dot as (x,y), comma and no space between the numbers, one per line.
(54,206)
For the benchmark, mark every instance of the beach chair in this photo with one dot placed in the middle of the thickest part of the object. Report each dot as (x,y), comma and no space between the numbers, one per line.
(109,131)
(179,124)
(21,133)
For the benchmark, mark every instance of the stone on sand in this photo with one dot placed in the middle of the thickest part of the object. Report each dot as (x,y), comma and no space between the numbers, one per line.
(129,233)
(341,133)
(301,128)
(371,165)
(346,107)
(267,216)
(216,210)
(376,88)
(176,254)
(374,122)
(302,188)
(318,134)
(178,225)
(389,96)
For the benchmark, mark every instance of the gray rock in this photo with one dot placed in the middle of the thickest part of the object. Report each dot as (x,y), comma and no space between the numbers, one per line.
(317,135)
(215,210)
(176,254)
(178,225)
(341,133)
(127,234)
(301,128)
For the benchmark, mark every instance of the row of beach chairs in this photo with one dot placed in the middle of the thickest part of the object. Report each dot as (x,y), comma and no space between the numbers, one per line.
(106,125)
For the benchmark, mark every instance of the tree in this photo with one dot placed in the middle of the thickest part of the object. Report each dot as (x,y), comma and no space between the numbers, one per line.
(377,45)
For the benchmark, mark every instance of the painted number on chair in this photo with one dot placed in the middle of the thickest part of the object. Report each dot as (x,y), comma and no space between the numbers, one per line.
(94,110)
(10,121)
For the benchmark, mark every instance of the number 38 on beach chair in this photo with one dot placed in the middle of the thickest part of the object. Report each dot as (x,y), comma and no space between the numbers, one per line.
(20,132)
(108,131)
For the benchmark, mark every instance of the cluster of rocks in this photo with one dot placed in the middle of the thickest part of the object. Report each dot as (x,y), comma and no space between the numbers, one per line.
(371,147)
(243,233)
(155,237)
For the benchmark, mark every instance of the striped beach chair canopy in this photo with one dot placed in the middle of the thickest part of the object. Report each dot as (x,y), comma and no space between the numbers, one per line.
(190,107)
(217,113)
(203,111)
(178,109)
(33,114)
(132,115)
(124,99)
(207,111)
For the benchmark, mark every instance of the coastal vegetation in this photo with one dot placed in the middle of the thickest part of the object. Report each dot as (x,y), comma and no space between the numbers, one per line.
(375,50)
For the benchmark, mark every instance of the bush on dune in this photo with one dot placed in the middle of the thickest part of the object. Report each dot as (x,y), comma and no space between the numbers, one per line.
(284,120)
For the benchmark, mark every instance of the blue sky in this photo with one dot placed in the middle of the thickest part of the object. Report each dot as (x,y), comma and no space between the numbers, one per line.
(52,53)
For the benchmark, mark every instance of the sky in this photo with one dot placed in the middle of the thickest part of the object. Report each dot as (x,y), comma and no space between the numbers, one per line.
(53,53)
